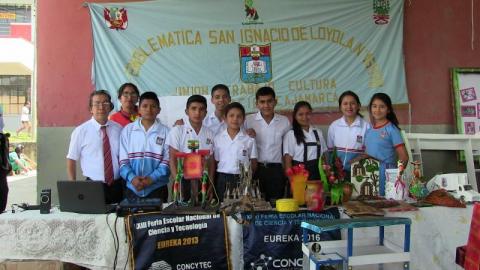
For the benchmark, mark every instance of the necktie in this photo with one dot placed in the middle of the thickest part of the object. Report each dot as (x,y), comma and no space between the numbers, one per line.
(107,157)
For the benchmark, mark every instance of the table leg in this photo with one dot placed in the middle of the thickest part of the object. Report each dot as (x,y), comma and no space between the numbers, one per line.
(406,244)
(381,235)
(350,242)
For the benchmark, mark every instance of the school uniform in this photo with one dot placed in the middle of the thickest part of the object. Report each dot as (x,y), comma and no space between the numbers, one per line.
(229,153)
(306,153)
(349,140)
(212,122)
(269,139)
(144,153)
(381,143)
(178,139)
(86,146)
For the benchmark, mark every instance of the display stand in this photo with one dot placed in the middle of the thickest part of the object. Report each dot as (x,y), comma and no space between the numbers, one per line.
(345,254)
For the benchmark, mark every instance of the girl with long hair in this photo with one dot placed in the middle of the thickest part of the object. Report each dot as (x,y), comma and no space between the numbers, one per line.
(347,134)
(303,143)
(384,140)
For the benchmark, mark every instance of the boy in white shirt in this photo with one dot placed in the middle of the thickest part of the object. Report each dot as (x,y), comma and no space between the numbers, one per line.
(215,121)
(193,129)
(270,128)
(233,146)
(144,157)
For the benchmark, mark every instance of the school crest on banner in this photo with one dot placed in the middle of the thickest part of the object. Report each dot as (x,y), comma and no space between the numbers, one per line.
(255,63)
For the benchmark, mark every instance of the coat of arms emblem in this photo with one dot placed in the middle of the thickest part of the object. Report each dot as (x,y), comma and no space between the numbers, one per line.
(116,18)
(255,63)
(381,8)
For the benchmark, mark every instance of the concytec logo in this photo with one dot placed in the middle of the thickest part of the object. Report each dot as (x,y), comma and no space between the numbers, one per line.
(261,263)
(287,263)
(267,262)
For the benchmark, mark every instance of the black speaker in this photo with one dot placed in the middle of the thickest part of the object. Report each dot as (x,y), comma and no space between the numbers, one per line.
(45,201)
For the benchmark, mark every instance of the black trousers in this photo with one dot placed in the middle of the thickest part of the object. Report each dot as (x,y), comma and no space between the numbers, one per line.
(159,193)
(272,180)
(3,190)
(223,180)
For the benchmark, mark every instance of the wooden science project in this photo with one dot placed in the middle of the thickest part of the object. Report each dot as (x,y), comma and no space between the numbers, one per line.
(190,166)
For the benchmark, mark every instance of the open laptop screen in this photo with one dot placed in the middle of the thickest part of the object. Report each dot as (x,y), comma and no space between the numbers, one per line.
(85,197)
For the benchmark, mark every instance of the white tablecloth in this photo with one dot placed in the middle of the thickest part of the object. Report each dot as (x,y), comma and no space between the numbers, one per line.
(85,240)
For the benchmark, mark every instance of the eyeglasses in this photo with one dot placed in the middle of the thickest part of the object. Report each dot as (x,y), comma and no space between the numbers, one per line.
(129,95)
(101,104)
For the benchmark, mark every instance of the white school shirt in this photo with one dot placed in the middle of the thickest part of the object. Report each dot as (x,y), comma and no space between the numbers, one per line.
(295,150)
(347,138)
(86,145)
(212,122)
(230,152)
(180,135)
(269,137)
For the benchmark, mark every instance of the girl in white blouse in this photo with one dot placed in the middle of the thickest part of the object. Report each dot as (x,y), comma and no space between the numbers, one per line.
(303,143)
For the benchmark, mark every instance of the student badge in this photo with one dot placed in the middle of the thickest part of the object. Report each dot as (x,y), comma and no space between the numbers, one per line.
(359,138)
(159,140)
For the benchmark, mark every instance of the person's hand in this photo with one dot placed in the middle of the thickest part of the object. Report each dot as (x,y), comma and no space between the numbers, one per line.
(147,181)
(251,132)
(179,122)
(137,183)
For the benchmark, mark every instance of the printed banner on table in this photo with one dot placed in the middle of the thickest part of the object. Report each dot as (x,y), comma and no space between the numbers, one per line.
(274,240)
(306,49)
(178,241)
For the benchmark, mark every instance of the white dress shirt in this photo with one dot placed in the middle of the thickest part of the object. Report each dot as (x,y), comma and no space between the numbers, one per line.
(212,122)
(269,137)
(230,152)
(180,135)
(86,145)
(295,150)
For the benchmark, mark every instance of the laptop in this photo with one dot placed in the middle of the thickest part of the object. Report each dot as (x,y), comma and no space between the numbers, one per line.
(84,197)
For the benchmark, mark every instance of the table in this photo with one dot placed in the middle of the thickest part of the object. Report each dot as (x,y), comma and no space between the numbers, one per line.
(342,252)
(85,240)
(436,232)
